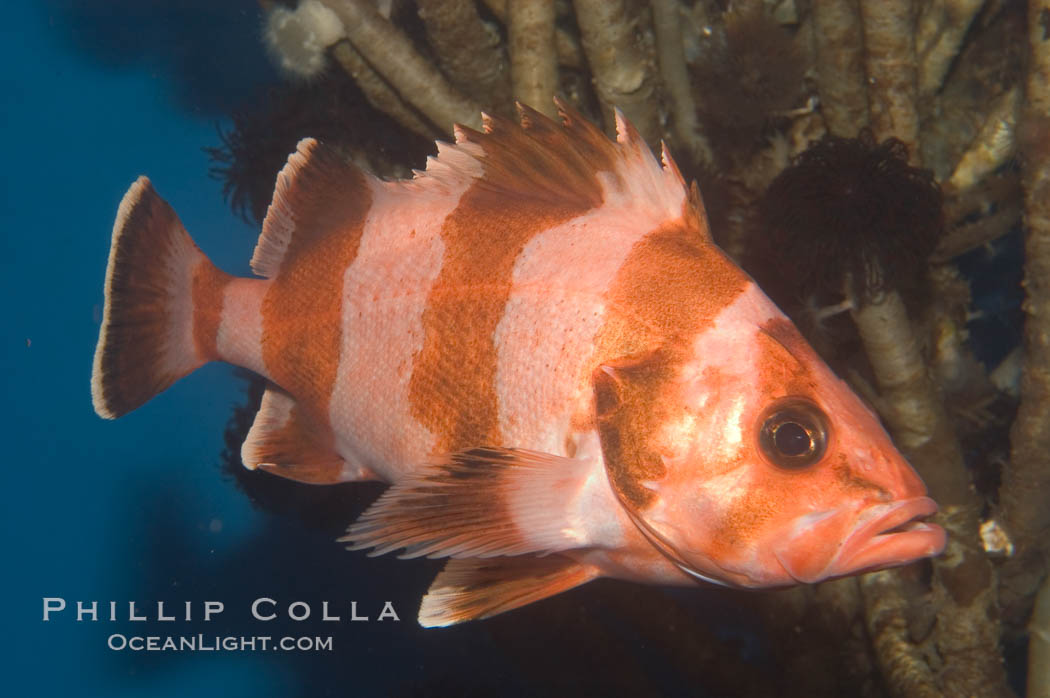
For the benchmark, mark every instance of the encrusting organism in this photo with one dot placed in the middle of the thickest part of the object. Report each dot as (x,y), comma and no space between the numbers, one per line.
(298,39)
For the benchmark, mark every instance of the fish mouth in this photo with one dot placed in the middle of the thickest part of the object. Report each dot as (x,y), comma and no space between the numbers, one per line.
(890,535)
(883,535)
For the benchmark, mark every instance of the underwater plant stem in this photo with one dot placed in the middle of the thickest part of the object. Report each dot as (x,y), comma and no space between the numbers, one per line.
(900,662)
(566,46)
(378,93)
(1039,645)
(964,582)
(939,36)
(900,372)
(971,235)
(533,63)
(467,49)
(391,54)
(1025,514)
(994,144)
(915,415)
(889,44)
(841,83)
(622,74)
(670,53)
(967,630)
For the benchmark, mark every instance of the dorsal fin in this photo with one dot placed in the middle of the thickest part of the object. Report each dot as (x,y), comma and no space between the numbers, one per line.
(541,158)
(471,589)
(316,192)
(285,441)
(570,161)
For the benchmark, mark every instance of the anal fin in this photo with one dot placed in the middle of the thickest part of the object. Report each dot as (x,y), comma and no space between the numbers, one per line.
(471,589)
(286,441)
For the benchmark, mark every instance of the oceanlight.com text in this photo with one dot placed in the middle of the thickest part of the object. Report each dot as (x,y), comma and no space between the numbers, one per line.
(217,643)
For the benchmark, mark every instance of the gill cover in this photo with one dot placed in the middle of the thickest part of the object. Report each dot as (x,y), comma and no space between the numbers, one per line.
(629,407)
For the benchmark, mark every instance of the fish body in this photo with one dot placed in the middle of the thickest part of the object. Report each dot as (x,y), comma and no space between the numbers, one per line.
(537,344)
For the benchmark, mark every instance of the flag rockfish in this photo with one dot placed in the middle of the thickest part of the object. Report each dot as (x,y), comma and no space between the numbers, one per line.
(540,348)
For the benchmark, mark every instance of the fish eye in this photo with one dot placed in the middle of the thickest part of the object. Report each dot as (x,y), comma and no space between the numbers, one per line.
(793,434)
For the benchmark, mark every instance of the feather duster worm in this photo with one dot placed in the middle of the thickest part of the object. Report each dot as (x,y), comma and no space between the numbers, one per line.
(850,214)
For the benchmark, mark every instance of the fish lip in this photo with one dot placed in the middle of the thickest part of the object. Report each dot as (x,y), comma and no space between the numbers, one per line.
(898,514)
(895,535)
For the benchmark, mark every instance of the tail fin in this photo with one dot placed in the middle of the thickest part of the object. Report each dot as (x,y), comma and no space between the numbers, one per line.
(163,299)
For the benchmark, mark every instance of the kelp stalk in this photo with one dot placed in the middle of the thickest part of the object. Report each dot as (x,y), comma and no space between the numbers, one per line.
(1023,495)
(967,630)
(1039,646)
(392,55)
(993,145)
(900,662)
(942,28)
(378,92)
(889,43)
(966,633)
(841,82)
(533,65)
(622,75)
(667,23)
(565,44)
(914,413)
(468,50)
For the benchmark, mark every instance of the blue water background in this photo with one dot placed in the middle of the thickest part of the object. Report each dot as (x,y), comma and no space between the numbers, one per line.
(76,135)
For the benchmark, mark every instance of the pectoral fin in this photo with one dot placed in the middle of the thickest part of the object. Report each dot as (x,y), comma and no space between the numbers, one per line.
(472,589)
(479,503)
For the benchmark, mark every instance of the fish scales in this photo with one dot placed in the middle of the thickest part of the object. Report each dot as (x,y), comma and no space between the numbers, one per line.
(302,335)
(536,343)
(470,336)
(384,299)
